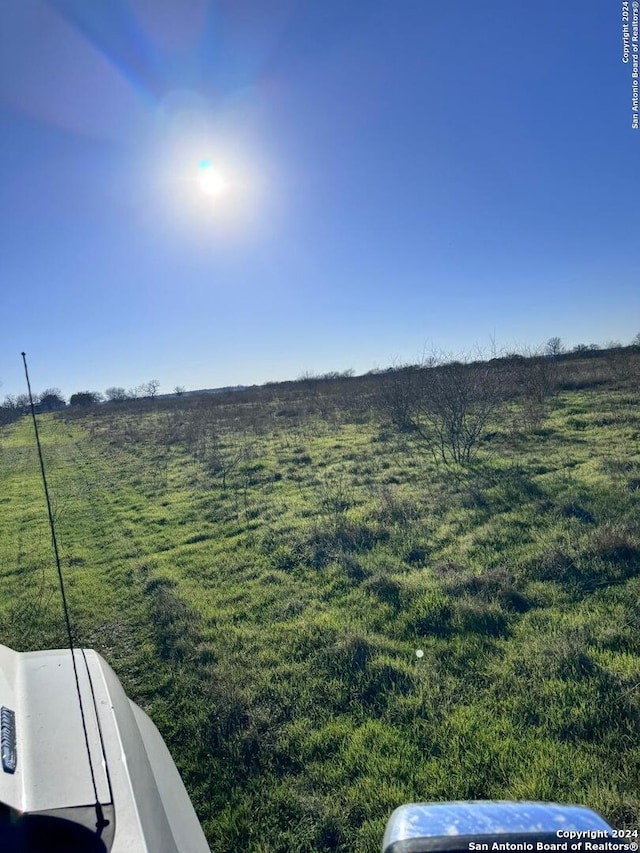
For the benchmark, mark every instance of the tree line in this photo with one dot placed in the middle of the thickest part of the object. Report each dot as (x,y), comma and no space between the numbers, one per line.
(52,399)
(14,406)
(444,403)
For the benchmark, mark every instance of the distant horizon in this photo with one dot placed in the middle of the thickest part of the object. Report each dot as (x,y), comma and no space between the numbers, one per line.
(136,391)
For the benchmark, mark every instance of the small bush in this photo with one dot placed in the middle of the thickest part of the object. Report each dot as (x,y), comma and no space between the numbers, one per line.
(394,509)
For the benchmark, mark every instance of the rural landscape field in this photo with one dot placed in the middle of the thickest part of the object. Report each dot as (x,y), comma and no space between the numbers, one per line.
(343,593)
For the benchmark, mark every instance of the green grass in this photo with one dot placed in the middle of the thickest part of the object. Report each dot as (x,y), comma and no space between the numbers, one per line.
(260,570)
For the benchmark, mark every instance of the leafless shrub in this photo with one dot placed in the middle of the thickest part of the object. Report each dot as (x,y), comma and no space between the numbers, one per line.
(536,380)
(620,362)
(445,406)
(395,509)
(225,456)
(335,497)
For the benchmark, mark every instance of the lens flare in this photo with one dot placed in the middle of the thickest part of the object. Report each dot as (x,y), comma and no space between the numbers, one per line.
(210,180)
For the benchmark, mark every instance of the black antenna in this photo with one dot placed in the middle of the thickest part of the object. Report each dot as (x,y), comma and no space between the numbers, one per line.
(101,822)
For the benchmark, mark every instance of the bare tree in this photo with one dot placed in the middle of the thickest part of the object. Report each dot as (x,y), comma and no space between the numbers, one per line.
(401,389)
(11,409)
(225,456)
(22,402)
(179,390)
(150,388)
(554,347)
(51,399)
(116,394)
(537,381)
(445,406)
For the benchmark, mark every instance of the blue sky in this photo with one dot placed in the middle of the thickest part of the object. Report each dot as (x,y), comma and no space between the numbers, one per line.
(393,176)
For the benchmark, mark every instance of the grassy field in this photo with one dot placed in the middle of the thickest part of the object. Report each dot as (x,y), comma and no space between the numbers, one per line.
(261,568)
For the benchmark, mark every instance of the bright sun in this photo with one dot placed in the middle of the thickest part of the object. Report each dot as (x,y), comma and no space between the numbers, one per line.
(211,181)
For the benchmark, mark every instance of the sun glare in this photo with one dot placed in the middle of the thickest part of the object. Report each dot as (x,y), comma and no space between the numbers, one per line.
(210,180)
(207,189)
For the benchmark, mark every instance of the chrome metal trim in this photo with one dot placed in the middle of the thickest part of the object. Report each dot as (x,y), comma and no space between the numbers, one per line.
(8,739)
(489,818)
